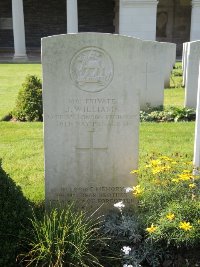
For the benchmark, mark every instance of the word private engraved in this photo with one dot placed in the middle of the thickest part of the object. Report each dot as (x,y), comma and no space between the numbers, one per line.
(91,69)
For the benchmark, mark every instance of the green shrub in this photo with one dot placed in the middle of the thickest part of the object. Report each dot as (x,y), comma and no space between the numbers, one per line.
(63,238)
(7,117)
(170,201)
(14,225)
(128,244)
(29,100)
(168,114)
(168,216)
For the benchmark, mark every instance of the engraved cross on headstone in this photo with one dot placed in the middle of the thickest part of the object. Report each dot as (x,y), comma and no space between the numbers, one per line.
(91,148)
(147,71)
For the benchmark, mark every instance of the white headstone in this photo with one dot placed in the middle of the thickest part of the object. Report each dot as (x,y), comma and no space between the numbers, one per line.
(196,160)
(192,72)
(153,72)
(170,62)
(184,62)
(91,117)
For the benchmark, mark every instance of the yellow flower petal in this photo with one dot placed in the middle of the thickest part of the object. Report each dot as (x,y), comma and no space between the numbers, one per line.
(151,229)
(170,216)
(186,226)
(137,190)
(192,185)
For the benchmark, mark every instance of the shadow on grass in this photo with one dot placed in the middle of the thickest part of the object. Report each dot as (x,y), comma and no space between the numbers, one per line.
(15,227)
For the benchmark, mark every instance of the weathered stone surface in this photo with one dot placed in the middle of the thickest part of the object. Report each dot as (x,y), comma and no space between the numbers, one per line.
(91,117)
(152,74)
(196,160)
(192,73)
(184,62)
(158,58)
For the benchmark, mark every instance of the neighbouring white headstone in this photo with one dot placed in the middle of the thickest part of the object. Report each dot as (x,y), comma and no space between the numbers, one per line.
(196,160)
(170,62)
(192,73)
(184,62)
(153,73)
(91,117)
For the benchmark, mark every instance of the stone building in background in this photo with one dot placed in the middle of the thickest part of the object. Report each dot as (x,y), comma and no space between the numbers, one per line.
(24,22)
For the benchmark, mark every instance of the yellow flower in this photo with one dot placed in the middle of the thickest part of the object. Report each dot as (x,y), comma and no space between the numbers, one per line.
(151,229)
(192,185)
(137,190)
(176,180)
(170,216)
(188,163)
(166,158)
(155,162)
(159,169)
(134,171)
(185,176)
(186,226)
(156,170)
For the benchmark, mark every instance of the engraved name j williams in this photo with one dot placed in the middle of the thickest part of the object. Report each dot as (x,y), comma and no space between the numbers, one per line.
(91,69)
(90,109)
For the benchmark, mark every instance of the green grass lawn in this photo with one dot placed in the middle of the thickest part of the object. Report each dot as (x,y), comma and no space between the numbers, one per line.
(11,78)
(174,96)
(21,148)
(21,144)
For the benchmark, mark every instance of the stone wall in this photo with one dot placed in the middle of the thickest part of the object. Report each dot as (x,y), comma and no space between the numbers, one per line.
(6,33)
(173,22)
(44,18)
(96,15)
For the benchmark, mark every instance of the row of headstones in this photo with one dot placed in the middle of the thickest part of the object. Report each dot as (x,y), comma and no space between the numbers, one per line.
(93,88)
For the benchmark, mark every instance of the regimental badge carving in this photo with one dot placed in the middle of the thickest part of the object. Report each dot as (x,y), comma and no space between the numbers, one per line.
(91,69)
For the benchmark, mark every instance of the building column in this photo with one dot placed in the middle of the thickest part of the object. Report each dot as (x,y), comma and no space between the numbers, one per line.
(137,18)
(195,21)
(18,29)
(72,16)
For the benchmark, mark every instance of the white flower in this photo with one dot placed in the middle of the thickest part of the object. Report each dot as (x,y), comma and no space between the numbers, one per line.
(126,250)
(119,205)
(126,265)
(128,189)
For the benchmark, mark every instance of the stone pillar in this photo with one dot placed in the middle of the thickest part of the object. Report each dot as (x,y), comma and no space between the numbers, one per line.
(138,18)
(18,29)
(195,21)
(116,19)
(72,16)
